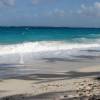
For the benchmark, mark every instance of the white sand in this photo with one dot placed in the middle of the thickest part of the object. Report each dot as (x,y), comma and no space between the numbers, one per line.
(90,69)
(15,86)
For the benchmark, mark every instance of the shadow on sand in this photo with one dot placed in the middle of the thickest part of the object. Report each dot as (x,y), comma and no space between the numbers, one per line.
(51,96)
(52,77)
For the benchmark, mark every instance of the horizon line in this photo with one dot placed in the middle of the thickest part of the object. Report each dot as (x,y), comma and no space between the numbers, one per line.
(47,27)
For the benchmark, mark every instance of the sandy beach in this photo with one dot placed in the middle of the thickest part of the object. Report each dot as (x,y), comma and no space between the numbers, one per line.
(83,83)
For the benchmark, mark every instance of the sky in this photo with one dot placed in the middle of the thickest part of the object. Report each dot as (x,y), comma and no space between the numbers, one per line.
(69,13)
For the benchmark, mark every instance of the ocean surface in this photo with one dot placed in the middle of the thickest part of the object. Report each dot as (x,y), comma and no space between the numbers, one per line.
(39,50)
(20,45)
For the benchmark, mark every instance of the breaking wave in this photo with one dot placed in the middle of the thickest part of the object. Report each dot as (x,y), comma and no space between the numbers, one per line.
(29,51)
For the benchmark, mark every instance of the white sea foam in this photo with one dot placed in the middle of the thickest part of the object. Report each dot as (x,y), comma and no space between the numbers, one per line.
(46,49)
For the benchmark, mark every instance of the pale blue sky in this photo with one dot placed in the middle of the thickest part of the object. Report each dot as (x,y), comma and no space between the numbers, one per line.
(74,13)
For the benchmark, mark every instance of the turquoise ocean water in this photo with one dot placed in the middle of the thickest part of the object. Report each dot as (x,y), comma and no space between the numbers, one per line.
(22,44)
(14,35)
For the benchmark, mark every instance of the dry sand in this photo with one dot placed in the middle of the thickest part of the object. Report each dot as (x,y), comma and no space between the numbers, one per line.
(74,87)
